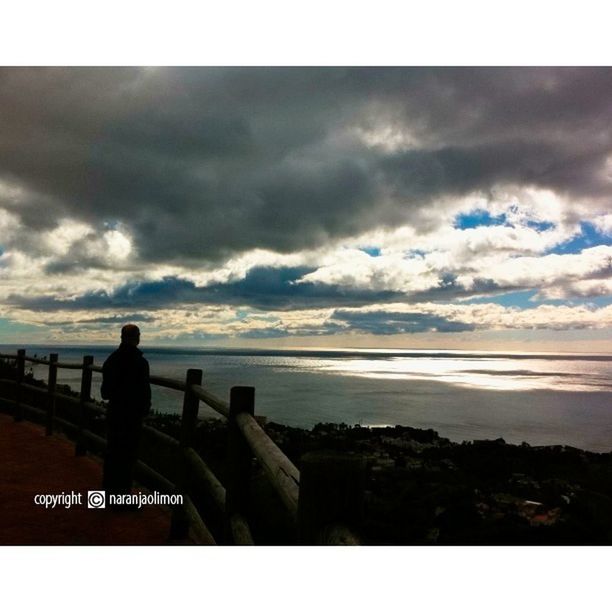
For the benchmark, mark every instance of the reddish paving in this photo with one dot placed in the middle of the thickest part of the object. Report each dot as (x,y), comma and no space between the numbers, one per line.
(32,463)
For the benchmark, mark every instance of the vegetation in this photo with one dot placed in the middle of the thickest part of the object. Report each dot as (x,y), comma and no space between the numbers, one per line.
(425,489)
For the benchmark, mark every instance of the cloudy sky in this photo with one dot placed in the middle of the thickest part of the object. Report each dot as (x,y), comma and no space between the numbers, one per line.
(373,207)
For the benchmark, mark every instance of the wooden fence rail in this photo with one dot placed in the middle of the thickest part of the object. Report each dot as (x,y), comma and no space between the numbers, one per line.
(307,507)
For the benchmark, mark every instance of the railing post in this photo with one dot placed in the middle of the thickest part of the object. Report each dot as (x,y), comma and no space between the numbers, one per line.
(51,384)
(179,527)
(331,497)
(18,416)
(80,448)
(239,454)
(191,405)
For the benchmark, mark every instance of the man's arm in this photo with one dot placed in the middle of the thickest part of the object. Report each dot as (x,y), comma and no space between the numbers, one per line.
(108,381)
(146,389)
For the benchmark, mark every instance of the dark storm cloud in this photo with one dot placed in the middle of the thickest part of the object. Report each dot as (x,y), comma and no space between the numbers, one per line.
(259,334)
(202,163)
(95,322)
(457,170)
(116,319)
(266,288)
(262,288)
(384,323)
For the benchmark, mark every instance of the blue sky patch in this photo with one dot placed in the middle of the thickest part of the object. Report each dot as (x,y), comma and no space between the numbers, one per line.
(12,326)
(528,299)
(478,218)
(588,237)
(372,251)
(600,301)
(540,226)
(517,299)
(483,218)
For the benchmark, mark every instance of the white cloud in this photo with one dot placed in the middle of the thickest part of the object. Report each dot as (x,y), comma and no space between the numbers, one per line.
(553,269)
(9,223)
(603,223)
(59,240)
(119,245)
(581,289)
(494,316)
(355,269)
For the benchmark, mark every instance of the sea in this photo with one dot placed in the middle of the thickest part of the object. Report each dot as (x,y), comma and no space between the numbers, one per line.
(538,398)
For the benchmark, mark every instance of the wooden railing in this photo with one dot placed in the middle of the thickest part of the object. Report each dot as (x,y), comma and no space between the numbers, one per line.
(330,495)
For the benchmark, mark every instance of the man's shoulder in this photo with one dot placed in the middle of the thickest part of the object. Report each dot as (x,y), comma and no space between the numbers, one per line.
(126,355)
(112,357)
(138,353)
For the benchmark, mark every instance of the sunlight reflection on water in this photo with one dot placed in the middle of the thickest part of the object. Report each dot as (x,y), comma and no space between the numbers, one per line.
(495,374)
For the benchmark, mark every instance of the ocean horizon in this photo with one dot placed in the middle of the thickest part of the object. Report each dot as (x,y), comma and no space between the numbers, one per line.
(540,398)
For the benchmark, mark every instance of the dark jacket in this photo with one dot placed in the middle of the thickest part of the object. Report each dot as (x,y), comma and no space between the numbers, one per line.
(125,381)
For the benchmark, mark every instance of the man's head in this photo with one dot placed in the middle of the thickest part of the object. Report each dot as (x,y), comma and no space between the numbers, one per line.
(130,334)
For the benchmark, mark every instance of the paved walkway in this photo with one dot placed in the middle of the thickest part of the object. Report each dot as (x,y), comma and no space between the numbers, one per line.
(32,463)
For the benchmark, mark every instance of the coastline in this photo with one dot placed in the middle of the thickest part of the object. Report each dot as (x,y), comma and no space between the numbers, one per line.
(424,489)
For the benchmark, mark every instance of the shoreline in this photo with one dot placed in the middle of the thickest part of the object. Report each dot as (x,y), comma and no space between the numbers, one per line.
(425,489)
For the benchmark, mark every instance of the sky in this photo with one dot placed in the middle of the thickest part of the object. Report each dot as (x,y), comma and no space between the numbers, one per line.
(466,208)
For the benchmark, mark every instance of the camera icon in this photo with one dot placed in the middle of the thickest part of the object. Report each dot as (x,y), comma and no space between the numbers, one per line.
(96,499)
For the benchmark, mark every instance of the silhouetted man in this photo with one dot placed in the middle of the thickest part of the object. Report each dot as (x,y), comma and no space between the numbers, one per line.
(125,384)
